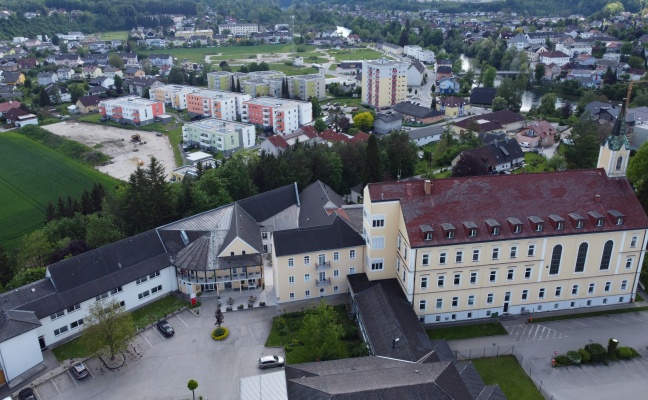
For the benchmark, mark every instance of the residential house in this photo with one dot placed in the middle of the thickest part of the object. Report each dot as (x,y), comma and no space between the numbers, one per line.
(98,91)
(103,81)
(64,74)
(8,105)
(45,78)
(91,71)
(390,48)
(499,156)
(504,120)
(425,135)
(88,104)
(556,57)
(218,135)
(160,60)
(453,107)
(482,96)
(519,41)
(443,71)
(130,59)
(533,52)
(134,72)
(415,113)
(448,86)
(68,60)
(387,122)
(13,78)
(140,85)
(537,134)
(27,63)
(111,72)
(13,114)
(274,144)
(277,115)
(131,110)
(58,94)
(384,83)
(416,72)
(353,39)
(635,73)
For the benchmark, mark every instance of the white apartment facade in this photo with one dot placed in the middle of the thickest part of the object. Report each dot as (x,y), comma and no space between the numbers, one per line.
(219,135)
(281,115)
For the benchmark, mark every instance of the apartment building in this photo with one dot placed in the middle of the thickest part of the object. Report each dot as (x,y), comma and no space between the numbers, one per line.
(281,115)
(306,86)
(209,103)
(419,53)
(219,135)
(268,83)
(131,110)
(197,32)
(384,83)
(238,29)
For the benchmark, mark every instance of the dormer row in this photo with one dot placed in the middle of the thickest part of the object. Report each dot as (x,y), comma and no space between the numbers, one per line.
(537,224)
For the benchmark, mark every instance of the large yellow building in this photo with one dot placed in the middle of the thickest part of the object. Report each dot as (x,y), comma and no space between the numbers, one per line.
(384,83)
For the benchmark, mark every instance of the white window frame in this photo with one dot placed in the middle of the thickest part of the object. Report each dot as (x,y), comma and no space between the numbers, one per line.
(291,262)
(422,305)
(528,272)
(490,298)
(459,256)
(443,258)
(608,286)
(336,256)
(306,260)
(424,282)
(378,221)
(624,284)
(377,264)
(441,281)
(495,255)
(492,276)
(475,255)
(352,254)
(513,252)
(525,294)
(531,250)
(307,277)
(291,279)
(378,242)
(456,279)
(471,300)
(425,259)
(591,288)
(473,277)
(510,274)
(336,273)
(439,304)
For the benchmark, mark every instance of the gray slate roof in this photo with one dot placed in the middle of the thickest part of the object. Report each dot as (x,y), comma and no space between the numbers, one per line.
(337,235)
(318,201)
(407,108)
(265,205)
(14,323)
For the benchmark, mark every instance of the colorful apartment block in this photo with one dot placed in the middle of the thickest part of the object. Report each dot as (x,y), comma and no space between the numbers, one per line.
(281,115)
(131,110)
(219,135)
(384,83)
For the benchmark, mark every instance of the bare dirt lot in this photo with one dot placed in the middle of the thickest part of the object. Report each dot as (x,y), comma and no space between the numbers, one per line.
(116,143)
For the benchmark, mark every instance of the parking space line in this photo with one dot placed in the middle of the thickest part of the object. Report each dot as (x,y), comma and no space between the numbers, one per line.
(146,339)
(159,334)
(182,320)
(90,373)
(580,323)
(73,380)
(56,387)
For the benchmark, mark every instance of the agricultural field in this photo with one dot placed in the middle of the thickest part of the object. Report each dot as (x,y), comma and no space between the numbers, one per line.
(355,54)
(30,176)
(114,35)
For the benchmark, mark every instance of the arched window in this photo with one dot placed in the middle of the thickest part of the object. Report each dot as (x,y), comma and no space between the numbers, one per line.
(556,255)
(580,258)
(607,255)
(619,162)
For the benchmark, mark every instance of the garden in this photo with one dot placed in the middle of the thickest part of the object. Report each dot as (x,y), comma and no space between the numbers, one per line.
(321,333)
(596,353)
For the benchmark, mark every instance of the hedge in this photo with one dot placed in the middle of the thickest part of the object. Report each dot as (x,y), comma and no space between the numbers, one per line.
(597,351)
(585,356)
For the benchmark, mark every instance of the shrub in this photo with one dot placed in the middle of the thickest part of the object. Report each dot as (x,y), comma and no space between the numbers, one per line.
(625,353)
(585,356)
(350,333)
(597,351)
(612,348)
(220,333)
(262,304)
(250,305)
(562,361)
(240,307)
(228,308)
(574,357)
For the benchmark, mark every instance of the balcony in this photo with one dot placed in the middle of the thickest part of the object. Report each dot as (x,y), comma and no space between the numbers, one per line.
(323,283)
(323,266)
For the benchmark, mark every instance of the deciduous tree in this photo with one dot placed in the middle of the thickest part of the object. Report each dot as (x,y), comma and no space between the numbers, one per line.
(322,333)
(107,326)
(468,165)
(363,121)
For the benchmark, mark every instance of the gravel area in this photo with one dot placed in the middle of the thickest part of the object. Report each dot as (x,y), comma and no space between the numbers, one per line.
(116,143)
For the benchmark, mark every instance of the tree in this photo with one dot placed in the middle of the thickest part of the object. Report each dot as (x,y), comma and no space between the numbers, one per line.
(219,317)
(511,91)
(468,165)
(101,230)
(488,76)
(116,61)
(322,333)
(317,109)
(584,152)
(7,266)
(539,72)
(107,325)
(55,40)
(402,155)
(635,62)
(547,106)
(557,163)
(319,125)
(566,110)
(363,121)
(637,173)
(35,250)
(499,103)
(192,385)
(43,98)
(119,84)
(176,75)
(433,106)
(373,167)
(403,40)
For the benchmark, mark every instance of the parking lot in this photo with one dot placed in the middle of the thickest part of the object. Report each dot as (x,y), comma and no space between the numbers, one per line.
(536,344)
(159,368)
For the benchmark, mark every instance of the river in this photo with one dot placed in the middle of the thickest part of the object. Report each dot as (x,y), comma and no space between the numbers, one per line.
(529,99)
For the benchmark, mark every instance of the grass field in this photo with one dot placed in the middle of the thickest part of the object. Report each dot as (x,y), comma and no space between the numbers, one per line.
(30,176)
(467,332)
(355,54)
(115,35)
(225,52)
(507,373)
(291,70)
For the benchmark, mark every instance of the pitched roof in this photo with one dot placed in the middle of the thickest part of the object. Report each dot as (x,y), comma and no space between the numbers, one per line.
(497,153)
(8,105)
(444,69)
(264,205)
(389,117)
(481,95)
(431,130)
(512,196)
(553,54)
(541,128)
(452,101)
(318,205)
(278,141)
(502,117)
(418,66)
(14,323)
(336,235)
(413,110)
(13,113)
(89,101)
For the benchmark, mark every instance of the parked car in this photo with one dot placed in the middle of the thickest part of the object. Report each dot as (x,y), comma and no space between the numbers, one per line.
(271,362)
(27,394)
(525,144)
(79,370)
(166,329)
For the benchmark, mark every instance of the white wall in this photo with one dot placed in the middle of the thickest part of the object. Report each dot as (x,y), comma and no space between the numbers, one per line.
(20,353)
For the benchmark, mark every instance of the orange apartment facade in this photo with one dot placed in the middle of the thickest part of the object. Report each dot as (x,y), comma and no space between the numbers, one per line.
(131,110)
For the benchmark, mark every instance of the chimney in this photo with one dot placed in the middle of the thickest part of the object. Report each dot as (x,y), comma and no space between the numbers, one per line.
(428,186)
(597,198)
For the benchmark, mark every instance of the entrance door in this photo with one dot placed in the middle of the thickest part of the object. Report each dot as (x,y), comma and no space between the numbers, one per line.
(506,305)
(41,342)
(507,298)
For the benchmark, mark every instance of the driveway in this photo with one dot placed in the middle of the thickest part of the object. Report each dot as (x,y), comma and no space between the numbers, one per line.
(536,344)
(159,368)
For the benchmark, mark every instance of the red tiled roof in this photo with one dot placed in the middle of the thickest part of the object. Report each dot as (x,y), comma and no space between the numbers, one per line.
(333,136)
(8,105)
(278,141)
(542,128)
(499,197)
(452,101)
(553,54)
(309,131)
(359,137)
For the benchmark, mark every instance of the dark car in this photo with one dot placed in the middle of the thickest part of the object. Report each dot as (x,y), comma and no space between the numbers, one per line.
(79,370)
(27,394)
(166,329)
(271,362)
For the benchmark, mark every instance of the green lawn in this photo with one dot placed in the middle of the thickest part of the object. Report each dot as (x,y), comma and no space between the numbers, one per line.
(32,174)
(507,373)
(141,317)
(291,70)
(534,163)
(225,52)
(355,54)
(171,129)
(296,354)
(115,35)
(467,332)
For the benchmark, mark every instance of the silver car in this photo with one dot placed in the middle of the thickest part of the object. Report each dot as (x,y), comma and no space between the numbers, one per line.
(271,362)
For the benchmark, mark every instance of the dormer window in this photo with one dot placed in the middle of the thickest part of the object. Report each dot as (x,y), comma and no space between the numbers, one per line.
(557,221)
(472,232)
(537,223)
(538,228)
(450,235)
(617,217)
(471,228)
(493,227)
(597,218)
(560,225)
(516,225)
(427,232)
(577,220)
(448,230)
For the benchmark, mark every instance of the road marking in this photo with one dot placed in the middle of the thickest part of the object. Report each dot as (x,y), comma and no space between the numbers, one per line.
(146,340)
(55,387)
(580,323)
(616,319)
(159,334)
(73,380)
(182,320)
(37,395)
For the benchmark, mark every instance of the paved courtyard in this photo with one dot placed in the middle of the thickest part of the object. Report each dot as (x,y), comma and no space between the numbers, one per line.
(159,368)
(535,344)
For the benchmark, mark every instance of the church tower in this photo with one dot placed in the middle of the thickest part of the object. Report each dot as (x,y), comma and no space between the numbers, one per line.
(615,150)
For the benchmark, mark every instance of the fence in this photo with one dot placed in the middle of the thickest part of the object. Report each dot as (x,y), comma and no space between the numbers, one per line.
(531,369)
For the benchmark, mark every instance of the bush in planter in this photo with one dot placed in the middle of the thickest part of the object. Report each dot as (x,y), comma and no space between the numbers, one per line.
(625,353)
(574,357)
(262,304)
(228,308)
(585,356)
(220,333)
(562,361)
(251,305)
(597,351)
(240,307)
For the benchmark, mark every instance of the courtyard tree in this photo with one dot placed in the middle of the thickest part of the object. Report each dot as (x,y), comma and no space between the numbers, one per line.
(499,103)
(192,385)
(547,106)
(321,333)
(317,109)
(373,166)
(107,326)
(319,125)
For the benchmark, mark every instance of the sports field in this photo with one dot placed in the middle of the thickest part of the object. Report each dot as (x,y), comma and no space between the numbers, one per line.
(30,176)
